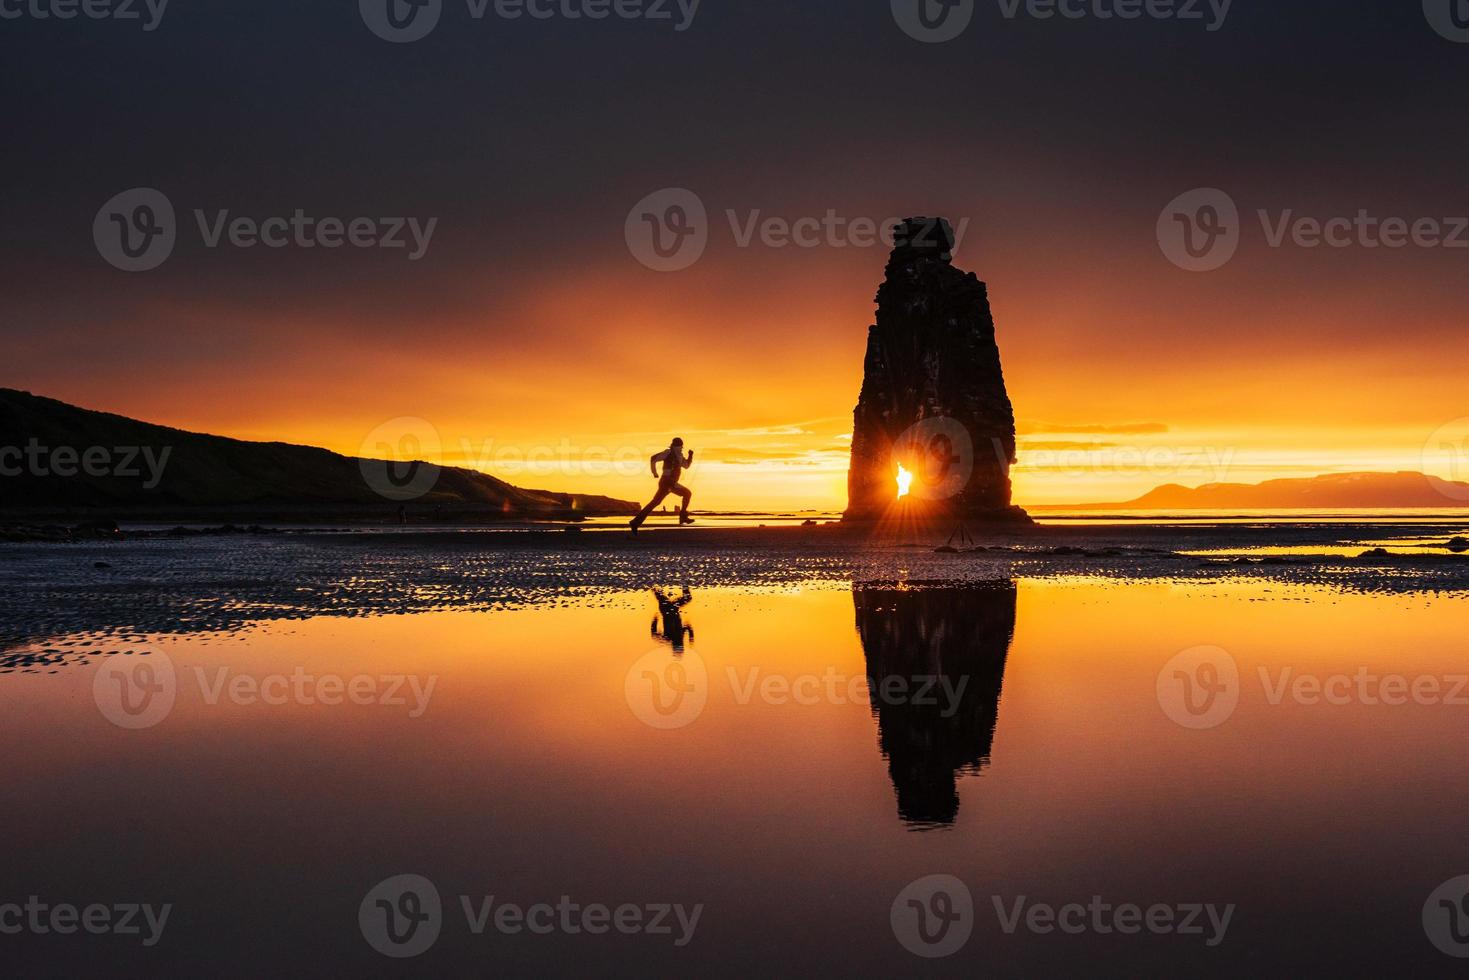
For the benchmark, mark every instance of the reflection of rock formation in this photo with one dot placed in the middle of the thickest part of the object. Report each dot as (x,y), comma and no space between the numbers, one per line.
(958,635)
(932,357)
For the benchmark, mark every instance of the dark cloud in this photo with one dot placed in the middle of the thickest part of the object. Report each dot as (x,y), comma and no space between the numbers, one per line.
(530,139)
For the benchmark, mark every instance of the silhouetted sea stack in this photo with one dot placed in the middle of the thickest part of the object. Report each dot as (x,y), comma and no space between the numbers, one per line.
(933,395)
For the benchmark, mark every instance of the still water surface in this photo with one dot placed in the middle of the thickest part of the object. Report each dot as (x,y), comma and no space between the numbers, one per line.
(786,761)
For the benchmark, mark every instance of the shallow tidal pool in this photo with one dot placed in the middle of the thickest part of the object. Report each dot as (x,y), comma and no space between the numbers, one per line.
(1015,778)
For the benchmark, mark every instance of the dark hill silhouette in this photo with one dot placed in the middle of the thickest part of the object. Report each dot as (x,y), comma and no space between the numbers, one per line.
(222,474)
(1333,490)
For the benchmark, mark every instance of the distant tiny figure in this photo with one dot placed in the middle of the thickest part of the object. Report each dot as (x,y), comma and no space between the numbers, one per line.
(674,462)
(671,610)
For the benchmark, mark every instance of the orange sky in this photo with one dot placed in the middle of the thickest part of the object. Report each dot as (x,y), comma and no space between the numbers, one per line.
(528,325)
(1132,375)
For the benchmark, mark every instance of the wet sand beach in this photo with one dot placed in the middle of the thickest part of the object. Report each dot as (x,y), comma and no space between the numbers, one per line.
(160,583)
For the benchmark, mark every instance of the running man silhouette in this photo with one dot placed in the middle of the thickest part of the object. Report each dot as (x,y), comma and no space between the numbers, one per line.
(674,629)
(674,462)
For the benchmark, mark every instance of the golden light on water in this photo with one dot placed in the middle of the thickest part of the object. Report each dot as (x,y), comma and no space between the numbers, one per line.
(905,481)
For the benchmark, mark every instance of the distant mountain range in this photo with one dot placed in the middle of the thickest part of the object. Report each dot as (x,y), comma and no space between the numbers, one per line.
(1334,490)
(55,456)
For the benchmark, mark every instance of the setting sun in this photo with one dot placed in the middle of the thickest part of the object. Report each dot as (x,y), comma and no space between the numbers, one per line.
(905,481)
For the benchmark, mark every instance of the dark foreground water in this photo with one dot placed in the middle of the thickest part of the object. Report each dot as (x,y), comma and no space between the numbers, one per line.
(1024,777)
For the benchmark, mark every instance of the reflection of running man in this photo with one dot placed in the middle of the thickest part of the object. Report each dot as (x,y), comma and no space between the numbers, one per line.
(671,610)
(674,462)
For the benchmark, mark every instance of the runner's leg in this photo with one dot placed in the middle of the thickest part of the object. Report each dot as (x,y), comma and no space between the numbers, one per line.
(658,498)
